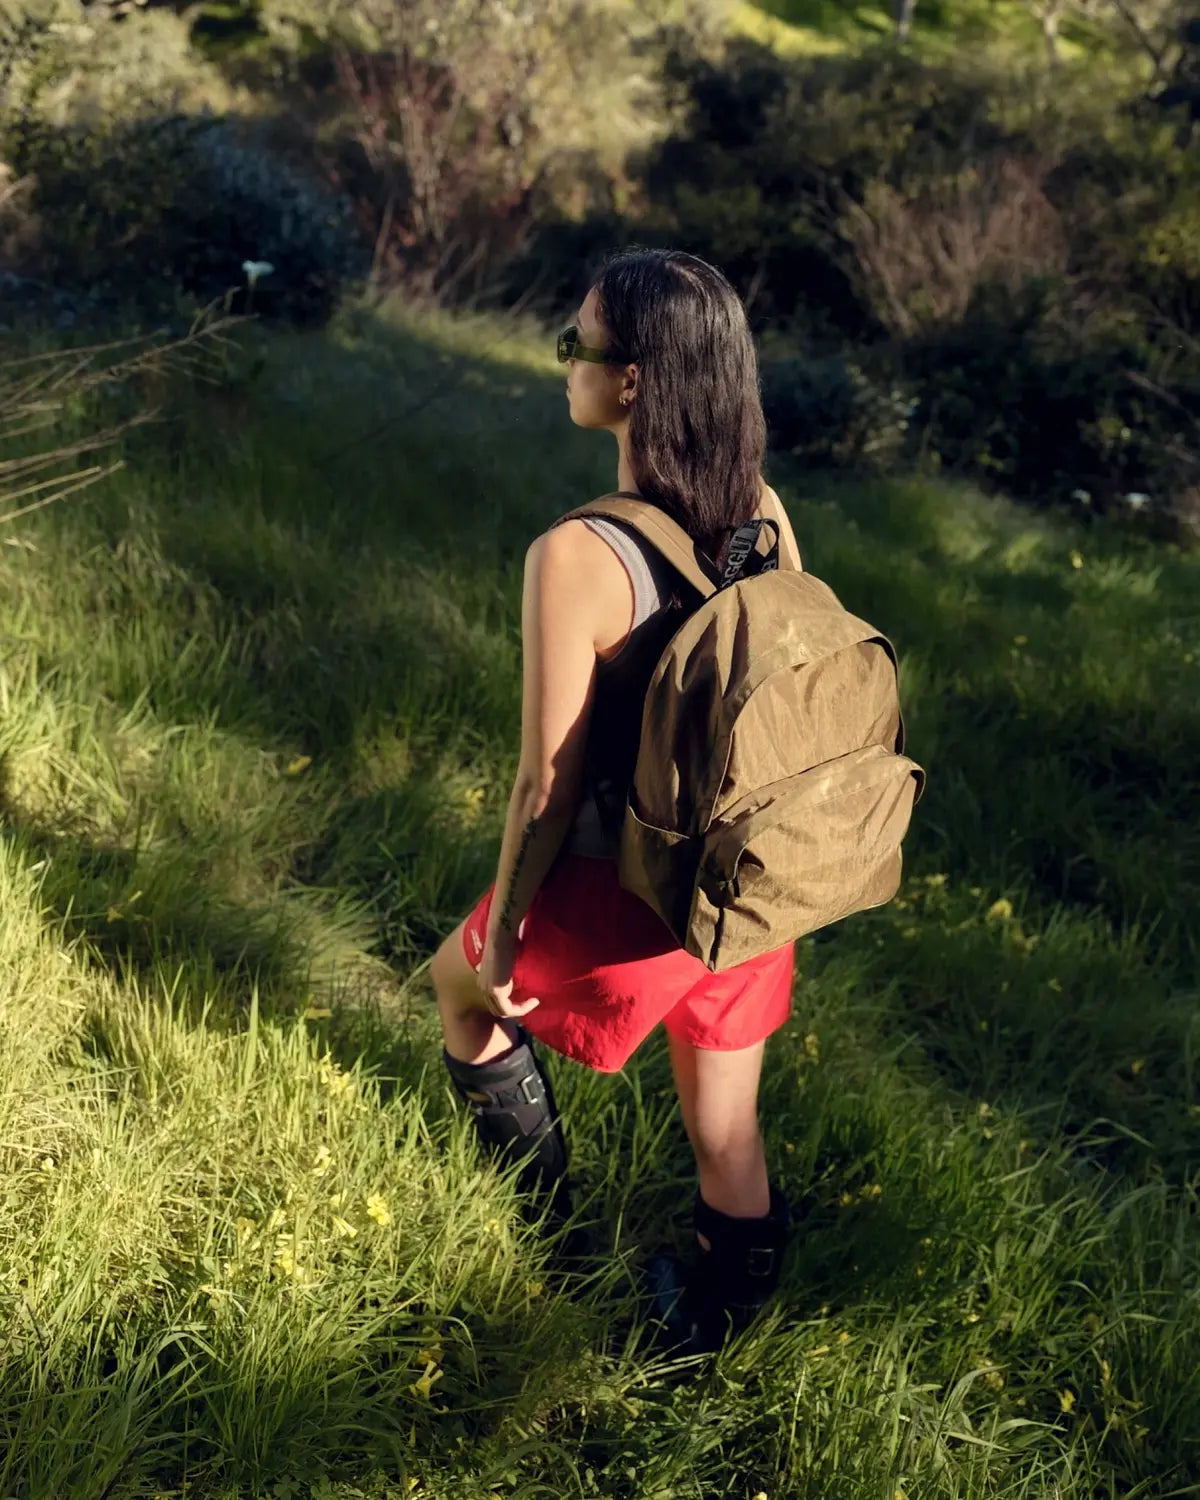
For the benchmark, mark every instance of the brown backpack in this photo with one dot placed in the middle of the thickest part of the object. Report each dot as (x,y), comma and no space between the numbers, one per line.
(771,791)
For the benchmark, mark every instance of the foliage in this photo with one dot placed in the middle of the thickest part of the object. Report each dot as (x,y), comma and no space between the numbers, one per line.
(924,256)
(158,207)
(1064,412)
(827,411)
(452,127)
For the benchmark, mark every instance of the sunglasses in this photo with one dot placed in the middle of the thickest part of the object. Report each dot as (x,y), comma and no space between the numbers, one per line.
(569,347)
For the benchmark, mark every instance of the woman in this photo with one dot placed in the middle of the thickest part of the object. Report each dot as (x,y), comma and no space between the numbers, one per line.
(662,357)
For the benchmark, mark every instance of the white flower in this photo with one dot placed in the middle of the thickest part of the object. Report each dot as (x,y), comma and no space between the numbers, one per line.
(1137,500)
(256,268)
(1082,496)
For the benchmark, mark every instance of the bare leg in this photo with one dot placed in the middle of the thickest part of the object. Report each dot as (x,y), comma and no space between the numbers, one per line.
(718,1096)
(471,1033)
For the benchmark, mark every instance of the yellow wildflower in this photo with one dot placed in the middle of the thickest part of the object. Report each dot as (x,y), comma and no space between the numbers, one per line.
(994,1380)
(1066,1401)
(286,1260)
(812,1047)
(378,1210)
(534,1288)
(342,1229)
(423,1385)
(1076,560)
(336,1081)
(936,881)
(1020,640)
(1000,911)
(295,767)
(317,1013)
(1136,1066)
(323,1162)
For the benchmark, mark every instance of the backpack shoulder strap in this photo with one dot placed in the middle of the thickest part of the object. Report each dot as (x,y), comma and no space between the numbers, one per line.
(658,529)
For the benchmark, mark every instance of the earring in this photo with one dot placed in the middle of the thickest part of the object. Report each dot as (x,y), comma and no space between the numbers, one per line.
(625,400)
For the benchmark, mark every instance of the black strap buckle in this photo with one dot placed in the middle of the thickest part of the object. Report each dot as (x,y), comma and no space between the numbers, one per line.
(742,557)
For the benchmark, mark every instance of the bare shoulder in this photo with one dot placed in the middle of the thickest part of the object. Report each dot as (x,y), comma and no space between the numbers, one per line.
(579,570)
(573,552)
(772,507)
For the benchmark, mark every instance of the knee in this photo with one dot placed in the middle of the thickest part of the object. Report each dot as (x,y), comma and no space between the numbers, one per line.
(727,1144)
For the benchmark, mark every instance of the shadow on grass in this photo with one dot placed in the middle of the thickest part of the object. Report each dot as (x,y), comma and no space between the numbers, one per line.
(368,588)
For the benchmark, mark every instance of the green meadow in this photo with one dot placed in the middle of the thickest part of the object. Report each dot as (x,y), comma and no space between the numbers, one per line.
(259,713)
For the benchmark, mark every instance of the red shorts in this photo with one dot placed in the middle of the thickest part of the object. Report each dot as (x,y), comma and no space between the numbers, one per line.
(607,969)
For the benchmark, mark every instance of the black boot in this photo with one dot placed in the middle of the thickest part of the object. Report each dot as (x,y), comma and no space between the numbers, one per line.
(725,1287)
(517,1119)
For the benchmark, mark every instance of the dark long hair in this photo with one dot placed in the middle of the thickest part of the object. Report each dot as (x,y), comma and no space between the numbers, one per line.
(696,431)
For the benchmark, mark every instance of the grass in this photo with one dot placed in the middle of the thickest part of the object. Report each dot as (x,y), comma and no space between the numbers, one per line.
(941,30)
(258,718)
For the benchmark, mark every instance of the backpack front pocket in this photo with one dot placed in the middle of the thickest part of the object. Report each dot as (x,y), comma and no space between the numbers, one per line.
(804,852)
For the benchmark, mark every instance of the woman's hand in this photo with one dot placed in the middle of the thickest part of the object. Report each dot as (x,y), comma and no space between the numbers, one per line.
(495,975)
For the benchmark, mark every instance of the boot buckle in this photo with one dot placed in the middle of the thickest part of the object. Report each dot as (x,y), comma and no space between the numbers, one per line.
(760,1262)
(530,1090)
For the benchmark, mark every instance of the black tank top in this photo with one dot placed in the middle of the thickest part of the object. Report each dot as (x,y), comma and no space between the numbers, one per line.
(661,603)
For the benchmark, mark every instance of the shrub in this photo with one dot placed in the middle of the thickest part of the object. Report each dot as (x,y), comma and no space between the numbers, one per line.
(924,257)
(776,165)
(1023,395)
(826,410)
(448,122)
(148,210)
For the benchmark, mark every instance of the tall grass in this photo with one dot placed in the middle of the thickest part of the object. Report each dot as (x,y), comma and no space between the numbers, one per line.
(258,720)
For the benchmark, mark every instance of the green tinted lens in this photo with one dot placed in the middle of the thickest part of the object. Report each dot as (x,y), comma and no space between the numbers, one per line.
(569,347)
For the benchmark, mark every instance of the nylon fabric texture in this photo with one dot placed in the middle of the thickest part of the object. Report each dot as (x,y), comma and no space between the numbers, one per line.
(771,792)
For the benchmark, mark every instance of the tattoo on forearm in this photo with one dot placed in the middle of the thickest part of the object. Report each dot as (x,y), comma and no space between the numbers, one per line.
(523,849)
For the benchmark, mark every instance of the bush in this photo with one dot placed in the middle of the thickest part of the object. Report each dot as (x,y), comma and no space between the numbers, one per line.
(773,158)
(1022,394)
(826,410)
(146,211)
(452,124)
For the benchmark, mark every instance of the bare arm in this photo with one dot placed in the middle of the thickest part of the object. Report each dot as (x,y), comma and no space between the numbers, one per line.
(561,613)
